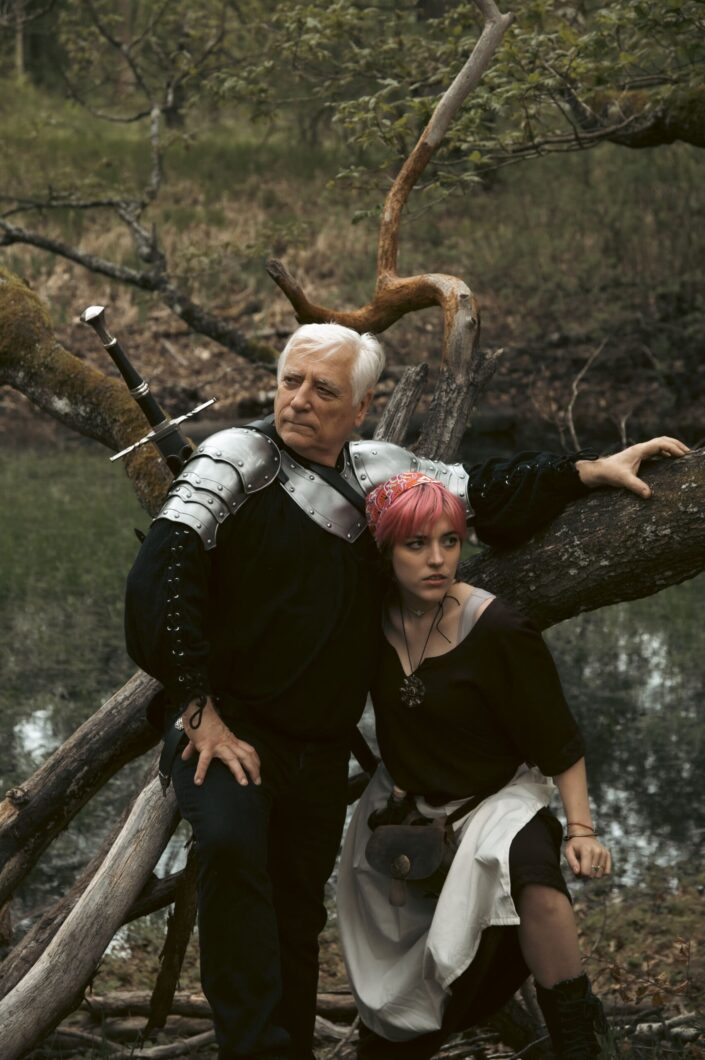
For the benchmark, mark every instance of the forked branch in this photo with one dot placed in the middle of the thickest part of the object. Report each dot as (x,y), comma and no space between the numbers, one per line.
(395,296)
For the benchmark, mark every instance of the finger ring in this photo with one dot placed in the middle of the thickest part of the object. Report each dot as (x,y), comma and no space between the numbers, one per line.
(596,868)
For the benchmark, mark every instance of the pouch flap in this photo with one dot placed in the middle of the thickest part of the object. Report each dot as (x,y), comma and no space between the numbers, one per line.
(406,852)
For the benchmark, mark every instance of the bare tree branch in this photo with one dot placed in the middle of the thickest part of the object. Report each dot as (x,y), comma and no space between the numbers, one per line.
(575,390)
(12,19)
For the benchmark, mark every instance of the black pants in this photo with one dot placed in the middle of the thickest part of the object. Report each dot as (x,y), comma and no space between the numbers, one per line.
(265,853)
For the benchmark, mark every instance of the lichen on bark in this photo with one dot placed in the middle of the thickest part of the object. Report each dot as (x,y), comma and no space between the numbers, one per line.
(33,362)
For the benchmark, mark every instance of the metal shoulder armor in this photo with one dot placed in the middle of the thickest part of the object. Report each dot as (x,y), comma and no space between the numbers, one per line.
(219,477)
(374,462)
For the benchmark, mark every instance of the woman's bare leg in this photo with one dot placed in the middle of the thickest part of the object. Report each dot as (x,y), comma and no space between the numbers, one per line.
(548,935)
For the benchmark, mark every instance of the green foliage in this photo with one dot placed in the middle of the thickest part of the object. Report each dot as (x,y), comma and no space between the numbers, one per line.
(378,71)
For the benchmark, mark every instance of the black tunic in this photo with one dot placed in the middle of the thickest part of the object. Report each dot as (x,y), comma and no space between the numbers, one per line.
(492,702)
(280,620)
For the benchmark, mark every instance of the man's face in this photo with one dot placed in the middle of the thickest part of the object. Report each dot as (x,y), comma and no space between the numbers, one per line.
(313,410)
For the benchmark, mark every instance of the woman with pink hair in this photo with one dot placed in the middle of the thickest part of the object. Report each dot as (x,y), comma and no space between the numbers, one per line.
(472,724)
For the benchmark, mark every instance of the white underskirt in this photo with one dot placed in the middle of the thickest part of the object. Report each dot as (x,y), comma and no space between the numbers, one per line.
(401,961)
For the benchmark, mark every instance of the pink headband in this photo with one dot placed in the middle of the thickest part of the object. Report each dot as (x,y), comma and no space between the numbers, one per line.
(382,497)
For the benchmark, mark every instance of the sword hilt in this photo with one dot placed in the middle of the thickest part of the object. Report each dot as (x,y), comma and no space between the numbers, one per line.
(165,433)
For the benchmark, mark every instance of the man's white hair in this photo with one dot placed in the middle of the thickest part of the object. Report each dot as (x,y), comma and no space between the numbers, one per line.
(325,340)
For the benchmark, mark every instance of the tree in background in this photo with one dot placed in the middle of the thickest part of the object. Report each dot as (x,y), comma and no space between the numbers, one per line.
(362,77)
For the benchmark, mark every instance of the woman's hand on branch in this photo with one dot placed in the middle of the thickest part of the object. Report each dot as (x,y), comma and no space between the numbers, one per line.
(212,738)
(622,469)
(587,857)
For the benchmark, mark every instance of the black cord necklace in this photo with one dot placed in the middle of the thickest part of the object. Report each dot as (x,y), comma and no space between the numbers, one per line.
(412,689)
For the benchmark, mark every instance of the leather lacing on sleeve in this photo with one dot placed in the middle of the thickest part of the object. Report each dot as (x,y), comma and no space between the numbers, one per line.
(190,685)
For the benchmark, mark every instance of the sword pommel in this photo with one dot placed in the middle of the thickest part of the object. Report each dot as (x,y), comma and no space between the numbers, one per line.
(94,316)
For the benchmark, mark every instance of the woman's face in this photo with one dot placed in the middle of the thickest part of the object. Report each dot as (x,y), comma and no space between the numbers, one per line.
(424,565)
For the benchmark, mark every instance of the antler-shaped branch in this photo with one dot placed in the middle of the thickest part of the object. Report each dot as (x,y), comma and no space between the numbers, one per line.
(459,381)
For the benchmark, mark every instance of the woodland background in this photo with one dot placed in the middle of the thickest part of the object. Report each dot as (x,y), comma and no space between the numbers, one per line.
(156,155)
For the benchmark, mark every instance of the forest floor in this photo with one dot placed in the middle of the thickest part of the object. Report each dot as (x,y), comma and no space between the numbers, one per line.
(643,948)
(592,258)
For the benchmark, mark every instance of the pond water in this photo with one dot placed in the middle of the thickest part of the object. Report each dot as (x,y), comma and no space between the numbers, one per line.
(633,673)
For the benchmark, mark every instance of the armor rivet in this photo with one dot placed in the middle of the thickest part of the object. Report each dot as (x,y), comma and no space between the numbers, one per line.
(356,457)
(199,525)
(293,467)
(329,525)
(291,489)
(312,477)
(176,515)
(219,452)
(374,452)
(266,478)
(249,486)
(222,515)
(310,511)
(210,500)
(363,477)
(220,488)
(240,463)
(349,535)
(197,480)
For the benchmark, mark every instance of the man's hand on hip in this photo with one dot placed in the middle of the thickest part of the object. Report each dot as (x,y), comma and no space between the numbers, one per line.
(622,469)
(213,739)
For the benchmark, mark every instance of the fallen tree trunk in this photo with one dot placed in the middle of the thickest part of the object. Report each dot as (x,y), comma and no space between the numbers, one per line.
(54,985)
(156,894)
(82,398)
(34,813)
(339,1008)
(609,547)
(30,948)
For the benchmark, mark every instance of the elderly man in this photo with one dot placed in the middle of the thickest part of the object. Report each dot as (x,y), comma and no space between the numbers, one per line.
(254,600)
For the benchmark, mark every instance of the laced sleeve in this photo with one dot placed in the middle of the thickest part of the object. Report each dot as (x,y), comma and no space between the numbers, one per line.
(165,611)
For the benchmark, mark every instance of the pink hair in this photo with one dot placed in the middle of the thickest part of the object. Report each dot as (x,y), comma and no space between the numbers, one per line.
(417,509)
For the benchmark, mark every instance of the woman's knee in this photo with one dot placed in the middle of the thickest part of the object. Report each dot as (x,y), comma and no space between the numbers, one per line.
(539,902)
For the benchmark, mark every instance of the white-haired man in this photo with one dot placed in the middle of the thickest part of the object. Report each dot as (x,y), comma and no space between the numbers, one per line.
(254,600)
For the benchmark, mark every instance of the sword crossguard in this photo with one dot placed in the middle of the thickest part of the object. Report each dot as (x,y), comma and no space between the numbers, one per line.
(165,428)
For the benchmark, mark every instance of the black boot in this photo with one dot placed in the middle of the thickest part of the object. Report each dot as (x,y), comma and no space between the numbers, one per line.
(574,1018)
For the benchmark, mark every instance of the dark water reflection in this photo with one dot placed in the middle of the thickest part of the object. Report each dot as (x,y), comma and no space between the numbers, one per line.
(635,676)
(633,673)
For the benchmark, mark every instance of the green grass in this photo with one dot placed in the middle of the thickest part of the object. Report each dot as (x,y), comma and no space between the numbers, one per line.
(67,542)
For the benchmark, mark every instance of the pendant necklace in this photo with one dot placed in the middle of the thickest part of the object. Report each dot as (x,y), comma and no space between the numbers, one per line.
(412,689)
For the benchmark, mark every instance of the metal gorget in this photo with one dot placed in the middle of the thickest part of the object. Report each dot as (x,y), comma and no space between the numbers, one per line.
(321,501)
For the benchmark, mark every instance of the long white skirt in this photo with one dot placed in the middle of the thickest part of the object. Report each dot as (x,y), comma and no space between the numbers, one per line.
(402,961)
